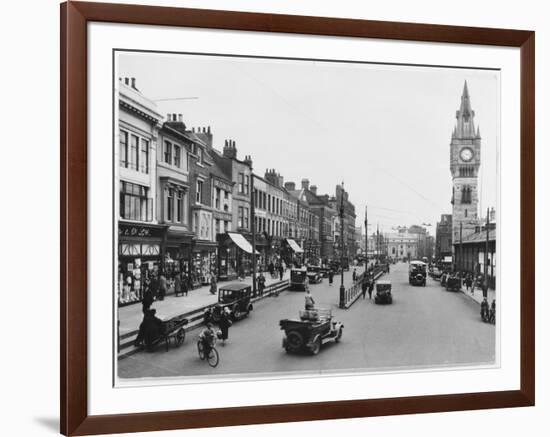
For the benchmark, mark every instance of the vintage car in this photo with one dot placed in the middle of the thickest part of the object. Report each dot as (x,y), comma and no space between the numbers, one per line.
(314,274)
(435,273)
(417,273)
(298,279)
(235,298)
(453,283)
(383,292)
(324,271)
(310,331)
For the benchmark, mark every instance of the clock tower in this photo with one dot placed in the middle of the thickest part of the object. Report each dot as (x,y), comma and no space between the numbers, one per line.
(465,155)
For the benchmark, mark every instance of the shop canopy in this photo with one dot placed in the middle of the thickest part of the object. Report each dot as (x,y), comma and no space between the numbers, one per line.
(242,242)
(294,246)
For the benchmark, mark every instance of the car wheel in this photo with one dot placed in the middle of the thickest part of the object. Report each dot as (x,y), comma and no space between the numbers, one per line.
(339,335)
(316,346)
(236,311)
(294,341)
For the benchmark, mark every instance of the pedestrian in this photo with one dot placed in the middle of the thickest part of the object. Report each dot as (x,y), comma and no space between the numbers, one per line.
(468,282)
(309,302)
(261,283)
(162,287)
(354,275)
(154,285)
(225,323)
(281,272)
(147,301)
(364,287)
(184,284)
(177,285)
(213,285)
(371,287)
(330,277)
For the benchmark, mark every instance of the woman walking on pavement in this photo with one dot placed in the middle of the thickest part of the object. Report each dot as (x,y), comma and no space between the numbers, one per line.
(330,277)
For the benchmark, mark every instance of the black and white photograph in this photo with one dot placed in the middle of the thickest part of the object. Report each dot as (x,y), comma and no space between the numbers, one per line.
(281,217)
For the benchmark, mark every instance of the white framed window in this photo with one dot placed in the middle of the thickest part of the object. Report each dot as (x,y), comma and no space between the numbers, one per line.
(199,186)
(168,152)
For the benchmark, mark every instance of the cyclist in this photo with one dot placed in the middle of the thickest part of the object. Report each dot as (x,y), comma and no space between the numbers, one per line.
(208,338)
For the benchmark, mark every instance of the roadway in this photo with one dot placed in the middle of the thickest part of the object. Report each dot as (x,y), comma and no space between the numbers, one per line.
(424,327)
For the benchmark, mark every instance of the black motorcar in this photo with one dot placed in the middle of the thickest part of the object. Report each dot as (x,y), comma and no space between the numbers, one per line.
(235,298)
(298,279)
(383,292)
(314,274)
(417,273)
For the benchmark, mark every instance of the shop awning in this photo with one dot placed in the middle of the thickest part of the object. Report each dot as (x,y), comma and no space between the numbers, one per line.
(294,246)
(240,241)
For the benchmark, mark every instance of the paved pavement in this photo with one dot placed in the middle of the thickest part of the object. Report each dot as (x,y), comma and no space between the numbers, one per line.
(477,294)
(130,316)
(424,327)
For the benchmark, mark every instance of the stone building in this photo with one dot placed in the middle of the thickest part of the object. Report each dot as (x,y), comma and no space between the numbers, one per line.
(444,238)
(140,236)
(465,158)
(235,244)
(341,198)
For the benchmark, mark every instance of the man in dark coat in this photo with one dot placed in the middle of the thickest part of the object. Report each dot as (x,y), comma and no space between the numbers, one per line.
(330,277)
(261,283)
(371,286)
(281,272)
(225,323)
(364,287)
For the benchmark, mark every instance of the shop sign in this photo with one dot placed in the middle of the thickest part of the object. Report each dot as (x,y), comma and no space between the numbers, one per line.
(125,230)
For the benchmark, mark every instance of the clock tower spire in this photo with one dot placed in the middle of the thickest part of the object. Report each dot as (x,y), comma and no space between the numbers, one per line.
(465,155)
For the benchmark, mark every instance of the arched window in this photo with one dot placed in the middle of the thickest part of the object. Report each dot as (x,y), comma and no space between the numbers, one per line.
(466,195)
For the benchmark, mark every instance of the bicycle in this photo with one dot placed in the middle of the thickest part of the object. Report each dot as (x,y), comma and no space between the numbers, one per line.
(213,357)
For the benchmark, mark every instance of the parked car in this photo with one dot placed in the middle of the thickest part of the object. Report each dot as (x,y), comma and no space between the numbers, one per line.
(314,274)
(453,283)
(236,298)
(417,273)
(310,331)
(383,292)
(298,278)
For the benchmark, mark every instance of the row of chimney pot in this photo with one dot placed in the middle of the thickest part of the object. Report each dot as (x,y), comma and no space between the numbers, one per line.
(230,144)
(130,81)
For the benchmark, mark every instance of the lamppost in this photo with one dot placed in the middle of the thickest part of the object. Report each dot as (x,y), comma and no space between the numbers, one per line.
(366,240)
(342,288)
(253,226)
(485,272)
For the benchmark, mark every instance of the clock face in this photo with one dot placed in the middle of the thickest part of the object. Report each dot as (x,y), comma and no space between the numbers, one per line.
(466,154)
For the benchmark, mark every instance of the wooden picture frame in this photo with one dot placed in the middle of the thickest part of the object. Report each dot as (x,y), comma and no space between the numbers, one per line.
(74,209)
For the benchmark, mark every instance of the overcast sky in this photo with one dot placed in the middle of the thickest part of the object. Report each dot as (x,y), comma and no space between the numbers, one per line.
(384,130)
